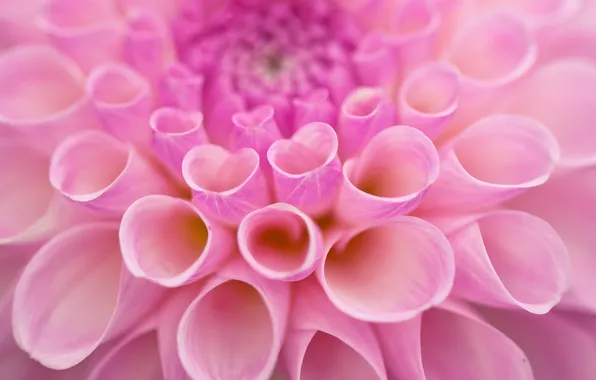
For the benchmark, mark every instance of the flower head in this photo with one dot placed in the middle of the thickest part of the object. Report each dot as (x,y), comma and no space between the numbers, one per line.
(297,189)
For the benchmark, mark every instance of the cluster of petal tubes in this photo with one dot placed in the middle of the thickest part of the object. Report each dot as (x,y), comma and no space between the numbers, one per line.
(305,190)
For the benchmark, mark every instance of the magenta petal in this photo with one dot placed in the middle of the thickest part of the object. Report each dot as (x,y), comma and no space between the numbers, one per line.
(175,132)
(181,88)
(225,185)
(375,62)
(429,97)
(375,187)
(390,271)
(364,113)
(510,259)
(315,106)
(451,343)
(280,242)
(75,294)
(324,343)
(255,129)
(103,173)
(493,160)
(47,101)
(220,126)
(167,241)
(123,100)
(306,170)
(235,327)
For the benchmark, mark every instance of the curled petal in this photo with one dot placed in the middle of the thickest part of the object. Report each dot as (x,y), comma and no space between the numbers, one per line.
(280,242)
(441,342)
(365,112)
(181,88)
(315,106)
(429,97)
(324,343)
(256,129)
(17,22)
(123,100)
(390,271)
(235,327)
(75,294)
(47,101)
(374,61)
(495,159)
(167,241)
(542,15)
(509,259)
(103,173)
(559,95)
(225,185)
(306,169)
(220,126)
(175,132)
(74,25)
(375,187)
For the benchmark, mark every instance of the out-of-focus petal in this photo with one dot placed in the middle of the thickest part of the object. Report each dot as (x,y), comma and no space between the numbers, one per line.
(181,88)
(17,23)
(315,106)
(75,294)
(235,327)
(389,271)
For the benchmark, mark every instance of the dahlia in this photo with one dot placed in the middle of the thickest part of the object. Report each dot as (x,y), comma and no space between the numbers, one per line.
(297,189)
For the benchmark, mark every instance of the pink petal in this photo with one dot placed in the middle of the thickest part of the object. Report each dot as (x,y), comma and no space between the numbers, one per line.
(123,100)
(364,113)
(429,97)
(167,241)
(451,343)
(46,101)
(375,187)
(306,170)
(17,23)
(255,129)
(234,329)
(510,259)
(181,88)
(323,343)
(542,15)
(175,132)
(493,160)
(559,95)
(280,242)
(101,172)
(315,106)
(75,25)
(390,271)
(30,210)
(374,61)
(226,186)
(220,126)
(74,294)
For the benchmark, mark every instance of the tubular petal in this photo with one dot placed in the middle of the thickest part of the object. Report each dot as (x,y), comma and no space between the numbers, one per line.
(167,241)
(388,272)
(103,173)
(375,187)
(234,328)
(314,107)
(256,129)
(74,295)
(323,343)
(181,88)
(280,242)
(225,185)
(306,169)
(495,159)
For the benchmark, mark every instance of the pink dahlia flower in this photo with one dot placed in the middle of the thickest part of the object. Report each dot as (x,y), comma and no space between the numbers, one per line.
(297,189)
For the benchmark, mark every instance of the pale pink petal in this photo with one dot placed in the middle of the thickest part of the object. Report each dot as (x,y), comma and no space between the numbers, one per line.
(429,97)
(181,88)
(30,209)
(103,173)
(235,327)
(225,185)
(89,31)
(560,96)
(493,160)
(47,100)
(280,242)
(375,186)
(375,62)
(388,272)
(175,132)
(543,16)
(167,241)
(306,169)
(324,343)
(315,106)
(166,9)
(365,112)
(123,100)
(451,343)
(255,129)
(75,294)
(17,23)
